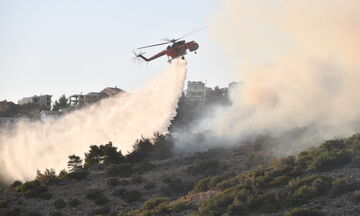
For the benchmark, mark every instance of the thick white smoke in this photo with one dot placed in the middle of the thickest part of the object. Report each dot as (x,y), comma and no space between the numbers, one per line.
(299,61)
(121,119)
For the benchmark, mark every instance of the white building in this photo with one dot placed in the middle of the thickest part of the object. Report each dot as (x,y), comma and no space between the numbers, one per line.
(196,91)
(42,100)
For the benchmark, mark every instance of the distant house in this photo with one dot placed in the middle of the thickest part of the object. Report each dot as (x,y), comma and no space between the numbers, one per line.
(196,91)
(79,100)
(42,100)
(109,91)
(5,105)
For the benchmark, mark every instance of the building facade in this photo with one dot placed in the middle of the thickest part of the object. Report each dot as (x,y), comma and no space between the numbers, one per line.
(42,100)
(196,91)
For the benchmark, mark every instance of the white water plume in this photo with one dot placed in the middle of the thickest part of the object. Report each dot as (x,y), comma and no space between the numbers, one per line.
(121,119)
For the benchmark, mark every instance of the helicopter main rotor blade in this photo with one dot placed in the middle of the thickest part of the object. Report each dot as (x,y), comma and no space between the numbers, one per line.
(153,45)
(190,33)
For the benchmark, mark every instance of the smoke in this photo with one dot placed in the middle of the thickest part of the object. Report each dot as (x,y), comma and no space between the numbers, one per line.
(299,61)
(121,119)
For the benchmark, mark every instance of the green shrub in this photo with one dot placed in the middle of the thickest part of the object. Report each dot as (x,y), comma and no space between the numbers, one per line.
(215,180)
(205,168)
(331,145)
(279,180)
(93,193)
(303,194)
(304,212)
(143,167)
(202,185)
(77,175)
(331,160)
(175,187)
(16,183)
(59,203)
(118,192)
(179,206)
(33,189)
(131,195)
(153,203)
(47,177)
(339,186)
(113,182)
(121,170)
(4,203)
(73,202)
(216,205)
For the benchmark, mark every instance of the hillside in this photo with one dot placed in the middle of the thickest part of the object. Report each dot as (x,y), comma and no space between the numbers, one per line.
(239,180)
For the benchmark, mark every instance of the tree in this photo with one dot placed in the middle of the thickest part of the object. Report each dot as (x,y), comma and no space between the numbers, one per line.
(110,153)
(61,103)
(74,163)
(93,157)
(142,150)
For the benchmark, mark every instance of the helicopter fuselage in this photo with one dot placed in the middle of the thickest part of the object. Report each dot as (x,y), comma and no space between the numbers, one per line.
(176,50)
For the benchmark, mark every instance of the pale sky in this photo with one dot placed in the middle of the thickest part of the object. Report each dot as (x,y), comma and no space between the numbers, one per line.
(71,46)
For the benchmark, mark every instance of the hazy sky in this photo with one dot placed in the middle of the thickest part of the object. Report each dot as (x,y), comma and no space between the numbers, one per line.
(72,46)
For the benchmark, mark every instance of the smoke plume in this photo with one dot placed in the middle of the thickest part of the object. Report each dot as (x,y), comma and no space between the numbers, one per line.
(121,119)
(299,61)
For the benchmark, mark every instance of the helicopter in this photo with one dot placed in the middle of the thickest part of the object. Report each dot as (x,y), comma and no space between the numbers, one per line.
(177,48)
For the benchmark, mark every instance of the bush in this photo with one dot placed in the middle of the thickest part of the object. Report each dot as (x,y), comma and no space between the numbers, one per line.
(330,160)
(202,185)
(143,167)
(59,203)
(47,177)
(339,186)
(132,195)
(16,183)
(4,203)
(175,187)
(303,194)
(304,212)
(73,202)
(122,170)
(93,193)
(113,182)
(205,168)
(179,206)
(77,175)
(153,203)
(118,192)
(33,189)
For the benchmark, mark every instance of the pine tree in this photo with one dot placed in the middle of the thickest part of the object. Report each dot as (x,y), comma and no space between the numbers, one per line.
(93,157)
(74,163)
